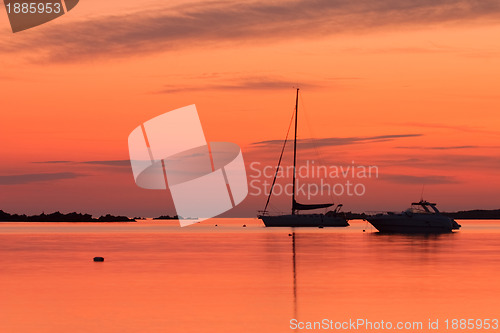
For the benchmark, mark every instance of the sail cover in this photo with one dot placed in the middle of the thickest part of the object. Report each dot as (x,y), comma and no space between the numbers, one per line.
(299,206)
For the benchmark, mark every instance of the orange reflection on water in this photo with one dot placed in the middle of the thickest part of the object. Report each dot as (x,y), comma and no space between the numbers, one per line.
(159,278)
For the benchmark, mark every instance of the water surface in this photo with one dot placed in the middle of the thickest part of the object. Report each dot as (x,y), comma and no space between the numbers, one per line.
(158,277)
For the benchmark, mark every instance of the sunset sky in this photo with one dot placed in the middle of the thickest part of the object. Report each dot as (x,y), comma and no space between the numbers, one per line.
(408,86)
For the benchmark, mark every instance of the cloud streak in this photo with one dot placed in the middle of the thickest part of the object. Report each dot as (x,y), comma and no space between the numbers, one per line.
(409,179)
(259,83)
(37,177)
(200,24)
(473,164)
(464,128)
(441,147)
(119,163)
(331,142)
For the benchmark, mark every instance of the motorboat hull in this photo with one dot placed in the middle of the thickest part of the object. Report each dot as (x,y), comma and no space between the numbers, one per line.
(306,220)
(417,223)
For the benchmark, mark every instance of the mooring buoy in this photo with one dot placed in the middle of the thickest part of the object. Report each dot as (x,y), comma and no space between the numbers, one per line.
(98,259)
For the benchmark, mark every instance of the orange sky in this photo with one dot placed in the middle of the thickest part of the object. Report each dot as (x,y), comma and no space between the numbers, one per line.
(422,75)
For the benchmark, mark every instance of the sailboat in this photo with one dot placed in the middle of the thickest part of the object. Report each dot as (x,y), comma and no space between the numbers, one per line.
(332,219)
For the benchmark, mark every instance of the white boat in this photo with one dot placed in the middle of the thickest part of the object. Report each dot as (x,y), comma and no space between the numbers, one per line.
(331,219)
(422,217)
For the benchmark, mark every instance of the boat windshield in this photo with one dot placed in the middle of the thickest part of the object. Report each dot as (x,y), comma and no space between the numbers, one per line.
(423,208)
(417,210)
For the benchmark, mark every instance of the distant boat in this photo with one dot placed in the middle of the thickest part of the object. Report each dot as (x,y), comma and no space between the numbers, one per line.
(332,219)
(422,217)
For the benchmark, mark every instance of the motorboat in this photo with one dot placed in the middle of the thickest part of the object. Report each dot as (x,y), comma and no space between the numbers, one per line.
(421,217)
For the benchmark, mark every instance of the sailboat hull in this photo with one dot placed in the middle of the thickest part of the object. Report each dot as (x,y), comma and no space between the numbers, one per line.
(306,220)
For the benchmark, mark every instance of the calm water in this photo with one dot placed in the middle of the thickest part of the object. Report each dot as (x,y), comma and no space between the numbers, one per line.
(158,277)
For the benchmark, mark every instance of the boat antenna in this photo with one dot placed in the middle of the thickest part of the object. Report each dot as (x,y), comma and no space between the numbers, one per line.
(295,150)
(422,194)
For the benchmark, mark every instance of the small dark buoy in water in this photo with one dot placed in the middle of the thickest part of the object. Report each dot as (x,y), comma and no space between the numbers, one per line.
(364,230)
(290,235)
(321,227)
(244,225)
(216,225)
(98,259)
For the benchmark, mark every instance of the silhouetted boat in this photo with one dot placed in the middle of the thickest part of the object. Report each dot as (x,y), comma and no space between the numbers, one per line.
(422,217)
(332,219)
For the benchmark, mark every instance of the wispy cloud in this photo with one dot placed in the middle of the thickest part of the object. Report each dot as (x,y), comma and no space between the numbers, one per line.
(37,177)
(460,128)
(472,163)
(110,163)
(409,179)
(259,83)
(441,147)
(103,162)
(199,24)
(431,48)
(338,141)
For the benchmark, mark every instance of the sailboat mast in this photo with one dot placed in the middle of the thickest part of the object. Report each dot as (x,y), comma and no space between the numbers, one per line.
(295,149)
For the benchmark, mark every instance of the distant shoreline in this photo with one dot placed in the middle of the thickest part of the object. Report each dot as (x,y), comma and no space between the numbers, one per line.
(475,214)
(60,217)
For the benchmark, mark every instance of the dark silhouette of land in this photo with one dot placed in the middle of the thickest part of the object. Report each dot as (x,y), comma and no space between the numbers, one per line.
(354,216)
(476,214)
(60,217)
(166,217)
(175,217)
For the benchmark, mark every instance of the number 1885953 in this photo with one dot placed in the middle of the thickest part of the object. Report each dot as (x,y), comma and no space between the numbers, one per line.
(471,324)
(34,8)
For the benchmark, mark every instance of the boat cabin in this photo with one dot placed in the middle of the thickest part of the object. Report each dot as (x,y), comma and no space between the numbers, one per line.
(424,207)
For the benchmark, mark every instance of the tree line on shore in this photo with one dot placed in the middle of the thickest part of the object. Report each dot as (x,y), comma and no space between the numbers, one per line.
(60,217)
(476,214)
